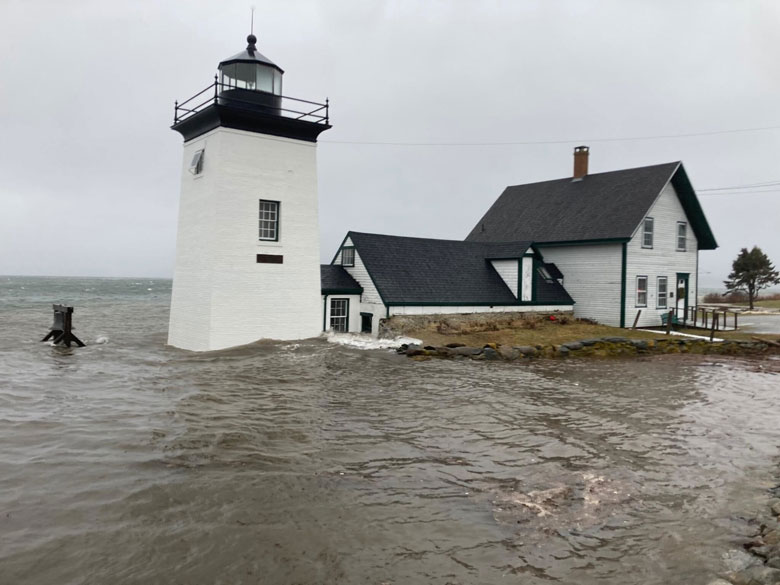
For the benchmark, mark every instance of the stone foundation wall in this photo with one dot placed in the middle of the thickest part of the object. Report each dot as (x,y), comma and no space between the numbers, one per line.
(463,323)
(602,347)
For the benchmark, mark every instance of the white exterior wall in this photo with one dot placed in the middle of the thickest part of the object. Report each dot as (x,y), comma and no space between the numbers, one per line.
(662,260)
(379,311)
(354,311)
(370,301)
(360,274)
(440,310)
(507,270)
(528,279)
(592,276)
(221,296)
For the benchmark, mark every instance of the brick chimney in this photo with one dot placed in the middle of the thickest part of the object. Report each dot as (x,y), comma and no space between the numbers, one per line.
(580,161)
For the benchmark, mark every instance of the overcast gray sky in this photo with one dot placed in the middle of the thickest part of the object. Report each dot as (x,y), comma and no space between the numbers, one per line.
(89,169)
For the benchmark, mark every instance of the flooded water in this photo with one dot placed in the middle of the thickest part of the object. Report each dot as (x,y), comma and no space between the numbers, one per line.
(130,462)
(757,323)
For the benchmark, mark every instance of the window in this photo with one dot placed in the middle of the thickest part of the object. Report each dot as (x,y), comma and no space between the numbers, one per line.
(339,315)
(544,274)
(348,256)
(663,292)
(647,233)
(269,220)
(641,291)
(682,233)
(196,166)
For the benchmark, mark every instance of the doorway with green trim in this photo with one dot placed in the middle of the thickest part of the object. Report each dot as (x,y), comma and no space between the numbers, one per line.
(682,296)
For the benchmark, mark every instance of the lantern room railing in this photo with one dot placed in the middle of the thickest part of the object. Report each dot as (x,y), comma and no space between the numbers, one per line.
(291,107)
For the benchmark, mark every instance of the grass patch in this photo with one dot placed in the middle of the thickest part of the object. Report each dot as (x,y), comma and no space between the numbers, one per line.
(513,330)
(541,333)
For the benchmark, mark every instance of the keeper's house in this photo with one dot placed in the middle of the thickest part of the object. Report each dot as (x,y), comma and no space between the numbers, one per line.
(374,276)
(626,241)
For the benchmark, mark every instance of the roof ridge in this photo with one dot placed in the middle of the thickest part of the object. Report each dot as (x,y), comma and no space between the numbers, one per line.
(351,232)
(670,163)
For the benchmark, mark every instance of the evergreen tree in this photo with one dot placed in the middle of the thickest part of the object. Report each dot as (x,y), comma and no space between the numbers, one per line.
(751,272)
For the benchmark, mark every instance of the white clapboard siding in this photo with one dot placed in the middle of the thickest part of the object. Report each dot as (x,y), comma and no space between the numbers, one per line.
(450,310)
(360,274)
(592,276)
(507,270)
(662,260)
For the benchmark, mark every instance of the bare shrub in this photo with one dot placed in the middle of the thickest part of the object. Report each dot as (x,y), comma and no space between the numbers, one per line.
(730,297)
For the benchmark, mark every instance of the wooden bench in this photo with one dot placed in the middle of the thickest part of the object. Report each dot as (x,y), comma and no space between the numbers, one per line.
(665,318)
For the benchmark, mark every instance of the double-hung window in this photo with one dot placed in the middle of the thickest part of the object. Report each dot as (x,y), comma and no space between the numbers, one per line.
(662,292)
(682,236)
(348,256)
(647,233)
(339,315)
(641,291)
(269,220)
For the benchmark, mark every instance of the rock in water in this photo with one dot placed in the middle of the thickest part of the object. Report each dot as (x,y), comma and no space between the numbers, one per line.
(756,575)
(739,560)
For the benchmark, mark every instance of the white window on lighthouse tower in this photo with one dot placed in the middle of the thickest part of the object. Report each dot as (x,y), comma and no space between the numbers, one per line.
(269,220)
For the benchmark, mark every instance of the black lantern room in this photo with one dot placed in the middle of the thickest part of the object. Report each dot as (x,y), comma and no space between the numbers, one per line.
(251,76)
(247,95)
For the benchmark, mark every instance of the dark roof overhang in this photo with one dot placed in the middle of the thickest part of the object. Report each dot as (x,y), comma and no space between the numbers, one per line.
(249,119)
(692,207)
(342,291)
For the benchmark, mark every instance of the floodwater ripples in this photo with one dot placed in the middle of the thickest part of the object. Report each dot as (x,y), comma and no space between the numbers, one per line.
(130,462)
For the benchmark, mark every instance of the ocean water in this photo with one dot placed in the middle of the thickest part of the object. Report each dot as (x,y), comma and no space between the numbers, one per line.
(129,462)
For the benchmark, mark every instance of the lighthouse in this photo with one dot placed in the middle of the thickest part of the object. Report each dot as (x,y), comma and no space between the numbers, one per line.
(247,246)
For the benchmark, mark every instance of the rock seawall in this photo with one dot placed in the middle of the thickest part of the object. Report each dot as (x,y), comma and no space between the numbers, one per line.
(603,347)
(761,566)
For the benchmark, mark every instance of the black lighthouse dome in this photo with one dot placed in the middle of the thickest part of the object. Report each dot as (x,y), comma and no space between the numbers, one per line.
(251,70)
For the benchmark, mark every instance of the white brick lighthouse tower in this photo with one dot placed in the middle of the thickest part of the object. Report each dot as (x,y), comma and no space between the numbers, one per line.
(247,249)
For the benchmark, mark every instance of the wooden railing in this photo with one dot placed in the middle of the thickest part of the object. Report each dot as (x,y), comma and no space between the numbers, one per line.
(707,317)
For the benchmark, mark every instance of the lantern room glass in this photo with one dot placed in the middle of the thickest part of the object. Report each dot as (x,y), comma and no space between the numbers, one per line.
(252,76)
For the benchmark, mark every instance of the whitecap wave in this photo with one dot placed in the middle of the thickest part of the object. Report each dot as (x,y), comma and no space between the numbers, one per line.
(361,341)
(101,339)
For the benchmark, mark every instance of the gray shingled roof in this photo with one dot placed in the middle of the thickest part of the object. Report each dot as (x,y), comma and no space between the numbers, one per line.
(602,206)
(427,271)
(336,280)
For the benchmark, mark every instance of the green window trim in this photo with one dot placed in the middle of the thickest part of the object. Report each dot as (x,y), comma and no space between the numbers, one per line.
(648,234)
(682,236)
(348,256)
(340,321)
(641,291)
(662,296)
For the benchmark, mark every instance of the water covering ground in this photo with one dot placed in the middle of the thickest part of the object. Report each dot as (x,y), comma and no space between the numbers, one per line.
(131,462)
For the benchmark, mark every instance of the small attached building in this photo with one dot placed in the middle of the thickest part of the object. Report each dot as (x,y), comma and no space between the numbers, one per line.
(626,241)
(419,276)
